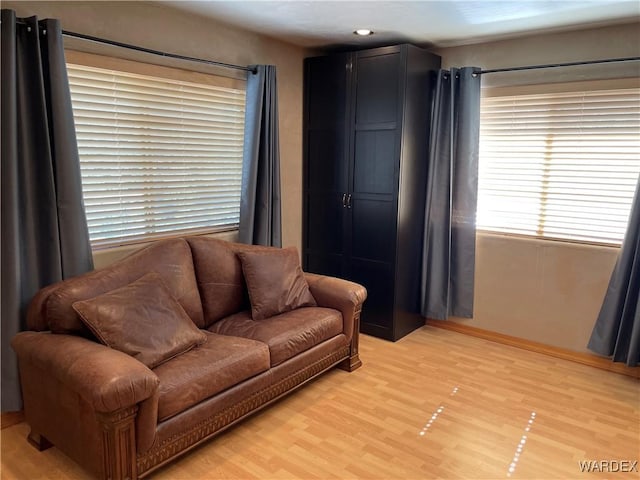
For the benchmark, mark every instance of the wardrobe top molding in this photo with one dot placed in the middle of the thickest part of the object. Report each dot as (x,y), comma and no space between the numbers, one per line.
(378,50)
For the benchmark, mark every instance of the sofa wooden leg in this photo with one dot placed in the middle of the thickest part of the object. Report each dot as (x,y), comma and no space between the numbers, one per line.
(351,363)
(38,441)
(118,444)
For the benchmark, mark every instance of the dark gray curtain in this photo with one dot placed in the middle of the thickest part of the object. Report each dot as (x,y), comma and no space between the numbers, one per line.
(260,222)
(617,329)
(448,261)
(44,229)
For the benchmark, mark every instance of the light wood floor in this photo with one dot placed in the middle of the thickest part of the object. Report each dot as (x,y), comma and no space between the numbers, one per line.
(436,404)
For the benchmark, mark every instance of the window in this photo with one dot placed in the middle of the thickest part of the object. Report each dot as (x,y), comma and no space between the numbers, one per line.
(159,156)
(560,165)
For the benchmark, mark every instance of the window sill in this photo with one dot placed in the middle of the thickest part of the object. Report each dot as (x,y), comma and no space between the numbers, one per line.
(546,240)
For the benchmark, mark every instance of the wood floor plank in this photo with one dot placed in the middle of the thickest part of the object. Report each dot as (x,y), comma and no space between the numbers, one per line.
(436,404)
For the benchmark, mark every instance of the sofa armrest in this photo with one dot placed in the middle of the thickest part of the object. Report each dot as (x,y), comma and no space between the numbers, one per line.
(107,379)
(339,294)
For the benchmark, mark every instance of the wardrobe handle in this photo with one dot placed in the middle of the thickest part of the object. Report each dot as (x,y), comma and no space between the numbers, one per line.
(344,200)
(349,201)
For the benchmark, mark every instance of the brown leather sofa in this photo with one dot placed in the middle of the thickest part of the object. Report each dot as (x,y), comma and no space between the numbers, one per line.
(120,419)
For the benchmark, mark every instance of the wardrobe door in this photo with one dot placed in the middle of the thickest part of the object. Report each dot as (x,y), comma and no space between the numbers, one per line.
(375,141)
(326,166)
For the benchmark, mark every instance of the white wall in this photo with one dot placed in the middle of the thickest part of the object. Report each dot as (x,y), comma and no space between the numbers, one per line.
(545,291)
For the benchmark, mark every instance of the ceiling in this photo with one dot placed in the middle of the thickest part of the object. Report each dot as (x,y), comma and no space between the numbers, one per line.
(440,23)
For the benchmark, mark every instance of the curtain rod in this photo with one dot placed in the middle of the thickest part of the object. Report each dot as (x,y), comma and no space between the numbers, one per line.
(253,70)
(555,65)
(114,43)
(105,41)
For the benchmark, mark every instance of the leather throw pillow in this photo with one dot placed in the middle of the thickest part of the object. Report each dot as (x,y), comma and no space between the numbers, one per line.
(141,319)
(275,281)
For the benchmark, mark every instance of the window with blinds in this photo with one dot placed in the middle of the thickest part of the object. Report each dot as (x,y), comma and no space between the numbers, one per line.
(559,165)
(159,157)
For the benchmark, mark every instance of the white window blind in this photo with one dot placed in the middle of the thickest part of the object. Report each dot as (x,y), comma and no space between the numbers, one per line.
(159,157)
(559,165)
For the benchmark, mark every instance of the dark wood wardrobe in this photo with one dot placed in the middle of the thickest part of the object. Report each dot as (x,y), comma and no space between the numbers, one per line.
(366,134)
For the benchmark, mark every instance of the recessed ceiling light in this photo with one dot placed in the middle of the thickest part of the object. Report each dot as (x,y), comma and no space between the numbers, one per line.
(363,32)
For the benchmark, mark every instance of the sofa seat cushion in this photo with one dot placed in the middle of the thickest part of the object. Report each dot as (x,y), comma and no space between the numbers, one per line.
(219,363)
(287,334)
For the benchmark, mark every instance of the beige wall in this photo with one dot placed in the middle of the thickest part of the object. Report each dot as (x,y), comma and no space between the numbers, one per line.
(616,41)
(545,291)
(162,28)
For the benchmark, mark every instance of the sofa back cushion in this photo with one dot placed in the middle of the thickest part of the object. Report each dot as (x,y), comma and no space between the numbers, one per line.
(219,277)
(170,259)
(223,289)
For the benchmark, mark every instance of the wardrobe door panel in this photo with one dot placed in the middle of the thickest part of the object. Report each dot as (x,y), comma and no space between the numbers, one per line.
(373,230)
(324,224)
(378,280)
(325,264)
(377,90)
(327,170)
(374,162)
(326,90)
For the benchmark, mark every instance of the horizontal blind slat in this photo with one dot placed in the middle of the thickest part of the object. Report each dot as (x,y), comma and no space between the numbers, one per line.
(559,165)
(158,156)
